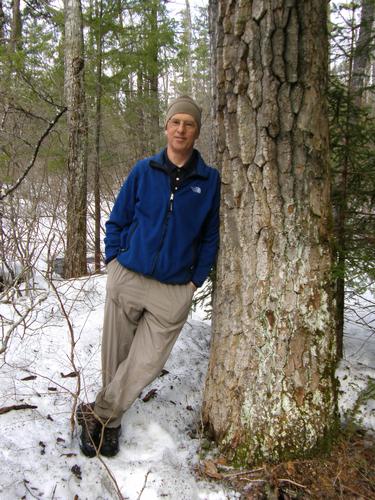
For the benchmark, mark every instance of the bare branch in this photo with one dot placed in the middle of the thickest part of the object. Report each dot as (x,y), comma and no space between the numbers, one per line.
(23,406)
(21,320)
(6,192)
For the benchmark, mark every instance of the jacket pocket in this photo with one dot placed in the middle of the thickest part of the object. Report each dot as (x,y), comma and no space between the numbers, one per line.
(131,232)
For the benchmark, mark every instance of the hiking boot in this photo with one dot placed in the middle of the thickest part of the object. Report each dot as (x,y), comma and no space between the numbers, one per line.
(91,429)
(110,445)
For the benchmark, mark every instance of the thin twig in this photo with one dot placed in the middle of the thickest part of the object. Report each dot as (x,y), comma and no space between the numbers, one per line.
(72,357)
(356,493)
(8,334)
(6,192)
(28,489)
(292,482)
(112,477)
(235,474)
(54,491)
(144,485)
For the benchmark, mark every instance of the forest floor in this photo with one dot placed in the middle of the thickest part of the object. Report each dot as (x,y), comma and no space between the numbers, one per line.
(348,472)
(53,359)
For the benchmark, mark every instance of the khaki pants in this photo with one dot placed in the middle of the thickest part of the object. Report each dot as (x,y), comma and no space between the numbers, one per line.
(142,321)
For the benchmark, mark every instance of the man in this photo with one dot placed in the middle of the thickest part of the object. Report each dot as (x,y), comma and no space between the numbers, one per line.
(161,241)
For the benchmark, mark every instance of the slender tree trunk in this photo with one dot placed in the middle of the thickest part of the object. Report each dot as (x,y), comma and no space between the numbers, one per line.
(271,390)
(142,114)
(98,122)
(2,24)
(363,50)
(75,259)
(341,210)
(189,48)
(153,78)
(16,28)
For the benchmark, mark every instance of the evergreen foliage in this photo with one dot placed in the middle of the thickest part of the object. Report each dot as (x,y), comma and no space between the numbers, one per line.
(352,150)
(353,170)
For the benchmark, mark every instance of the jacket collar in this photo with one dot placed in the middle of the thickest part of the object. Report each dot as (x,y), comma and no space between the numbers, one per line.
(201,169)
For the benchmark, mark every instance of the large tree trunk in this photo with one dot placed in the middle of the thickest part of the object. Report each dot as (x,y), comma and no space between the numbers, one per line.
(75,258)
(270,390)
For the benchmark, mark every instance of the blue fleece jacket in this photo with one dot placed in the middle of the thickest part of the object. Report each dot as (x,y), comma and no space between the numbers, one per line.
(172,238)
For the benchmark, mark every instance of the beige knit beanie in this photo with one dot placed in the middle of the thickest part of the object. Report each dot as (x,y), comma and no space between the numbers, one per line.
(184,104)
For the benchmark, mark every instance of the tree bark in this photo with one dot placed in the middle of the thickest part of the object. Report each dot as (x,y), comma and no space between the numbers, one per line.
(75,263)
(363,50)
(270,390)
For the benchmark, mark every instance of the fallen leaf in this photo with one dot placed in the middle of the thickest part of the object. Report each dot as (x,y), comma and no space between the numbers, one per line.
(210,470)
(221,460)
(76,469)
(149,395)
(43,448)
(71,374)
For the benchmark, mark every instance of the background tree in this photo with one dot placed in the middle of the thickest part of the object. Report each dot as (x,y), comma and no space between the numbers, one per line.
(16,30)
(76,255)
(352,151)
(364,48)
(96,22)
(270,391)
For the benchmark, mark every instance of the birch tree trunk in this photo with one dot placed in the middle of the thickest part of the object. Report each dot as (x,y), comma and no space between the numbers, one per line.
(75,263)
(270,390)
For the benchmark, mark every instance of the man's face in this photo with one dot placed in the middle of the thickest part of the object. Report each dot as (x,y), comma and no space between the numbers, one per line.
(182,131)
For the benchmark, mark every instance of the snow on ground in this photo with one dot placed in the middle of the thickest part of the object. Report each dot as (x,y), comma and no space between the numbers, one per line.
(358,365)
(161,437)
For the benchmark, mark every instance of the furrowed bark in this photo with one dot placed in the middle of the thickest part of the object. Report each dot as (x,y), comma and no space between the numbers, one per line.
(270,390)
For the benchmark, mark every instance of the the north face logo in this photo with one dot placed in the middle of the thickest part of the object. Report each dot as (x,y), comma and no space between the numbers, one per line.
(196,189)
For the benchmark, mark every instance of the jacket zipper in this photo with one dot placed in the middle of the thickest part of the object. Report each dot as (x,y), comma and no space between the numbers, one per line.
(171,198)
(170,210)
